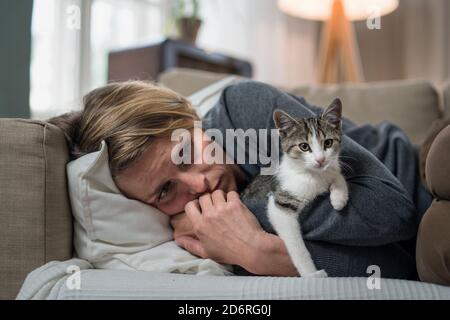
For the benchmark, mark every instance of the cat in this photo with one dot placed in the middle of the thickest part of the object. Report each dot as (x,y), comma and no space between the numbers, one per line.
(309,167)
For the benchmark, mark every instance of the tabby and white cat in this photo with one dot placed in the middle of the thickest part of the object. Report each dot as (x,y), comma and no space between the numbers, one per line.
(309,167)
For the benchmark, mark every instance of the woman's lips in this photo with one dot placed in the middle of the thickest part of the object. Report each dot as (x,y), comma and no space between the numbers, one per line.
(218,185)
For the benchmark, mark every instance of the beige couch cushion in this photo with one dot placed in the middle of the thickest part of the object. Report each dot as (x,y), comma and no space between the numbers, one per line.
(35,216)
(446,93)
(188,81)
(412,105)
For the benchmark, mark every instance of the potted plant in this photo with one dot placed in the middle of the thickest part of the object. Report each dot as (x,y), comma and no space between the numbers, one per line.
(187,24)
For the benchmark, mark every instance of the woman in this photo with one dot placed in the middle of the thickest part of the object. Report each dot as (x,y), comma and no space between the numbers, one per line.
(378,226)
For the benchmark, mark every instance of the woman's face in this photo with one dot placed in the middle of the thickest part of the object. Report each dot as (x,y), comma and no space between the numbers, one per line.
(155,180)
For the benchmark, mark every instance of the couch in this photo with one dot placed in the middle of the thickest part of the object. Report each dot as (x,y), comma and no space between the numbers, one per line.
(35,215)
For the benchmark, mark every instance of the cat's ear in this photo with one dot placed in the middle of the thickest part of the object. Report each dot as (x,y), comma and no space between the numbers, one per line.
(333,114)
(283,121)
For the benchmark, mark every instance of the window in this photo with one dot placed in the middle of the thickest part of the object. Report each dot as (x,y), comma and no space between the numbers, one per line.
(118,24)
(69,59)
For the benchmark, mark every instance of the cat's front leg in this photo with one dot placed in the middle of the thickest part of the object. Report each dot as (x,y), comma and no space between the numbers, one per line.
(339,193)
(285,223)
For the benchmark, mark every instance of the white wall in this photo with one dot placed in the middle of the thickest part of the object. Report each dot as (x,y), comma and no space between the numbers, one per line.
(282,49)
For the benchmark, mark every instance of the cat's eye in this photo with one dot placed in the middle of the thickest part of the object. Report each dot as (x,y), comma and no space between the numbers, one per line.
(328,143)
(304,147)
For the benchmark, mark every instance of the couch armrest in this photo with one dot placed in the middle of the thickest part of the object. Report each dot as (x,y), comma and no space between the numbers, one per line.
(446,98)
(35,216)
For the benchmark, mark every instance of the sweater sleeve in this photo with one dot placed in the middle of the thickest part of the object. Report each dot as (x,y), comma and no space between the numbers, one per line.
(379,210)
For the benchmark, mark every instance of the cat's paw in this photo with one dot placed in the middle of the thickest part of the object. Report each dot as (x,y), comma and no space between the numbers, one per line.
(318,274)
(339,199)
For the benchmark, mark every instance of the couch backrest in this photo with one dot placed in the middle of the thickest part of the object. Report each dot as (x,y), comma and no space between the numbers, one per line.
(188,81)
(35,215)
(413,105)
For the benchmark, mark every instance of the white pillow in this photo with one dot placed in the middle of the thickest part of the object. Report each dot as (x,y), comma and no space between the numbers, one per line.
(112,231)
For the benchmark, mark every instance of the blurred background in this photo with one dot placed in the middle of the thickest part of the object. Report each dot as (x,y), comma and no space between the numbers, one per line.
(54,51)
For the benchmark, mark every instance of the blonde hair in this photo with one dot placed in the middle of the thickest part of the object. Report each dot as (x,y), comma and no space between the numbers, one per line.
(127,115)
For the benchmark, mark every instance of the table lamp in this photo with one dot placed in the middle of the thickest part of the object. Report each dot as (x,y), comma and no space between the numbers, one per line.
(339,55)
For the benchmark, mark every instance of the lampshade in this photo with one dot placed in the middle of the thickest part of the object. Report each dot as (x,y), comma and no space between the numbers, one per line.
(321,9)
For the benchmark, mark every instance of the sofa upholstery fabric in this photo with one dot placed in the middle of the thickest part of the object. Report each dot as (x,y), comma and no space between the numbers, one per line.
(446,99)
(35,216)
(412,105)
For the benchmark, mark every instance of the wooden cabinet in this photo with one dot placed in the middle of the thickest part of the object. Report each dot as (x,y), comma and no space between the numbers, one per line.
(147,62)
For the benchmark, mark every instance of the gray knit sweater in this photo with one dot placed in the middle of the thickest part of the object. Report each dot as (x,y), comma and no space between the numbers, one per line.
(387,200)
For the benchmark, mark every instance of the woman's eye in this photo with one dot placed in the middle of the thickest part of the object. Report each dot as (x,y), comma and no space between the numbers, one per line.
(164,190)
(328,143)
(304,147)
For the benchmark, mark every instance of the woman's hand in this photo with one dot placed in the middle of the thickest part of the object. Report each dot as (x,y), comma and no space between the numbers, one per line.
(227,232)
(182,226)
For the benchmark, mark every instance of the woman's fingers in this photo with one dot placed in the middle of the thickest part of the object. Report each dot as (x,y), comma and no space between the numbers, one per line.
(192,245)
(233,195)
(218,196)
(182,225)
(225,233)
(193,211)
(205,202)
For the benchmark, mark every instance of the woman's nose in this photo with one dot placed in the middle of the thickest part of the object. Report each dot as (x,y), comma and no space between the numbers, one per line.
(196,182)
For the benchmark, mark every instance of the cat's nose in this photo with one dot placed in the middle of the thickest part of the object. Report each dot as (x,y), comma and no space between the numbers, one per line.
(320,160)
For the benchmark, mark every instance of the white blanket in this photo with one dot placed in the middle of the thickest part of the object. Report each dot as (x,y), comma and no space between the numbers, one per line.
(46,281)
(55,281)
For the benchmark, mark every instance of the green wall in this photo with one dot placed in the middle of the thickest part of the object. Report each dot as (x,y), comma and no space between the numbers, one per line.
(15,47)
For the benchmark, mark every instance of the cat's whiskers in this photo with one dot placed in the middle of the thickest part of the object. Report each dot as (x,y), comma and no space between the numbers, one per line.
(342,164)
(346,166)
(346,157)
